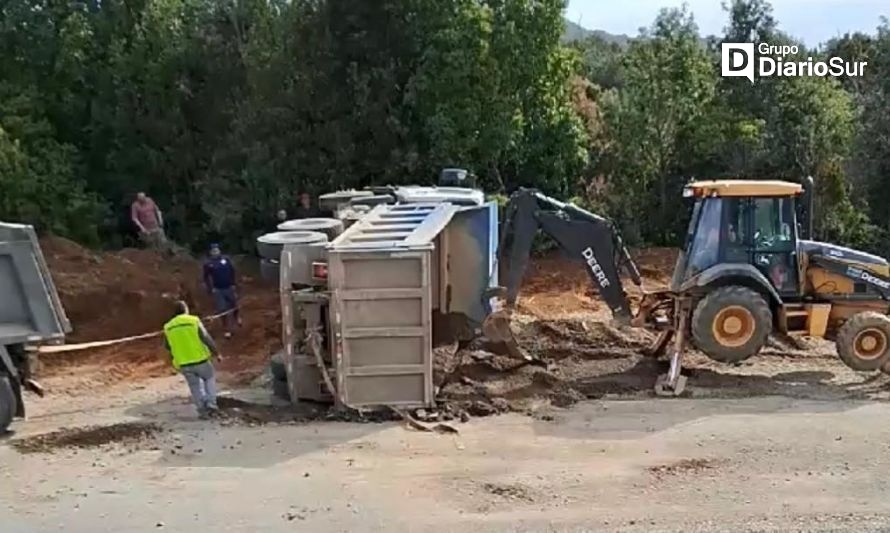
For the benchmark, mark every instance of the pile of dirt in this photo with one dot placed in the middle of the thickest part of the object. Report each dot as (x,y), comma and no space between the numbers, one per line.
(122,293)
(110,295)
(562,321)
(581,359)
(558,287)
(86,437)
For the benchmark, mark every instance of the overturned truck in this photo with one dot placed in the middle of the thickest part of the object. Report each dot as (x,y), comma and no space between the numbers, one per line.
(360,312)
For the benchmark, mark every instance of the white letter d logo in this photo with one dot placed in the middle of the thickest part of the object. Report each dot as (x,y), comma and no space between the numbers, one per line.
(737,60)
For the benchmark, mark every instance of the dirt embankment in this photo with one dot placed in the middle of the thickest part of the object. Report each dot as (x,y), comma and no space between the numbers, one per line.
(110,295)
(556,287)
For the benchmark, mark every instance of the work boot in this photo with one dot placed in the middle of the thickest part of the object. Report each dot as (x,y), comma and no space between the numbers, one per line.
(204,414)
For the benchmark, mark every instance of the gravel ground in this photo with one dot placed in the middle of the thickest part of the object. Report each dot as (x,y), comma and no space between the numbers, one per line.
(762,463)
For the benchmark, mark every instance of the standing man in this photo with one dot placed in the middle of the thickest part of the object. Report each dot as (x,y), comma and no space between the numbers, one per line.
(306,209)
(280,216)
(191,348)
(148,219)
(220,280)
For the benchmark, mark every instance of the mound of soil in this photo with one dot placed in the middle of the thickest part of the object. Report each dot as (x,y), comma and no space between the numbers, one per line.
(109,295)
(582,359)
(118,293)
(558,287)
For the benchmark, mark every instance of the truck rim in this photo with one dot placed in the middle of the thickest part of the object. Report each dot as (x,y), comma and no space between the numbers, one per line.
(733,326)
(870,343)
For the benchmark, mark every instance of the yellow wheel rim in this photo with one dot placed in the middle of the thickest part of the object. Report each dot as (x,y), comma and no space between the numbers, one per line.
(733,326)
(870,343)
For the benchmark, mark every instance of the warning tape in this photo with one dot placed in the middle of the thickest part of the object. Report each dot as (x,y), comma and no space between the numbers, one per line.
(100,344)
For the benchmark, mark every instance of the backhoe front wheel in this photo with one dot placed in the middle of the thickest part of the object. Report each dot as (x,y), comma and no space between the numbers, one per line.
(731,324)
(863,342)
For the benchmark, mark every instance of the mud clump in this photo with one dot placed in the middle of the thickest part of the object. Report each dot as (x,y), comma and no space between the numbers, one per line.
(509,491)
(685,466)
(87,437)
(238,412)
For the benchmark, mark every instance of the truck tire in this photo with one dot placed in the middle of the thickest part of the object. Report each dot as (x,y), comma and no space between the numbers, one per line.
(269,271)
(8,404)
(731,324)
(277,367)
(280,389)
(863,342)
(269,245)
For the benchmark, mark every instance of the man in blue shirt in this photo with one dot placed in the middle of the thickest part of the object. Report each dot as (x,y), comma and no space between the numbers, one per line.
(220,280)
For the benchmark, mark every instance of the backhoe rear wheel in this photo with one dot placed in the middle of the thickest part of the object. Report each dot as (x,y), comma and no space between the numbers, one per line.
(863,342)
(731,324)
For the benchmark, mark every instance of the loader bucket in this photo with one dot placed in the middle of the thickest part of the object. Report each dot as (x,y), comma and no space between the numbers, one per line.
(496,328)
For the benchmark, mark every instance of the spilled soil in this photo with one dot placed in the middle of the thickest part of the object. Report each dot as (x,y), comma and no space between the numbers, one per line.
(588,359)
(87,437)
(561,321)
(238,412)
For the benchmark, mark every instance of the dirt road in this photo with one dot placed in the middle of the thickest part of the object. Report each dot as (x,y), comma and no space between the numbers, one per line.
(751,464)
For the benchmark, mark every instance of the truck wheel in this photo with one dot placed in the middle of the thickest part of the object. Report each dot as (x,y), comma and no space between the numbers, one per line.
(863,342)
(269,271)
(731,324)
(280,389)
(277,367)
(7,403)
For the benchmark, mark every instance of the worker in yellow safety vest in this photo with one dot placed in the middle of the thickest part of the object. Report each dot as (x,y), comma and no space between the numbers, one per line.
(191,348)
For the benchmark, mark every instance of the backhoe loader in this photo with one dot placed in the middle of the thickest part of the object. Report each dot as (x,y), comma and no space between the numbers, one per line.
(747,269)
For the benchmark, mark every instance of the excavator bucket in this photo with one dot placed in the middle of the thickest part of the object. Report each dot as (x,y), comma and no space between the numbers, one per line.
(496,328)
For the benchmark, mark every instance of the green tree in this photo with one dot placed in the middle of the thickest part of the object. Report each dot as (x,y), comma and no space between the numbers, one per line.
(670,83)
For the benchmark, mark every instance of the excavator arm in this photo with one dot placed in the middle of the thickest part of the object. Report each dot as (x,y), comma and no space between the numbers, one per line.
(594,241)
(587,237)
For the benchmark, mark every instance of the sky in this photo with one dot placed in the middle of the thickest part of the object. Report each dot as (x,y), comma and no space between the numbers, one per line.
(813,21)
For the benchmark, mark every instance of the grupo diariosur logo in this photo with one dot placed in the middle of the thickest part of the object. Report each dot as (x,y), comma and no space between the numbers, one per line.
(738,60)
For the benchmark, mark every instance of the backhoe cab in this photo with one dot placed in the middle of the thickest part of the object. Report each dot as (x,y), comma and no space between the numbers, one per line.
(747,270)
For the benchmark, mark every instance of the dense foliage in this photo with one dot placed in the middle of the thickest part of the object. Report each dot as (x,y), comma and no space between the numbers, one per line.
(223,110)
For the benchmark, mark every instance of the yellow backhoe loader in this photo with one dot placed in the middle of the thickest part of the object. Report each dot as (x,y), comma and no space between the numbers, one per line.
(747,269)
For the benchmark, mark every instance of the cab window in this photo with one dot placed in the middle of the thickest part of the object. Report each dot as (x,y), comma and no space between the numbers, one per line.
(705,249)
(773,224)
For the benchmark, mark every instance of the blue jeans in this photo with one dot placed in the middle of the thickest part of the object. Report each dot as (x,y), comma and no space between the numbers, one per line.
(227,300)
